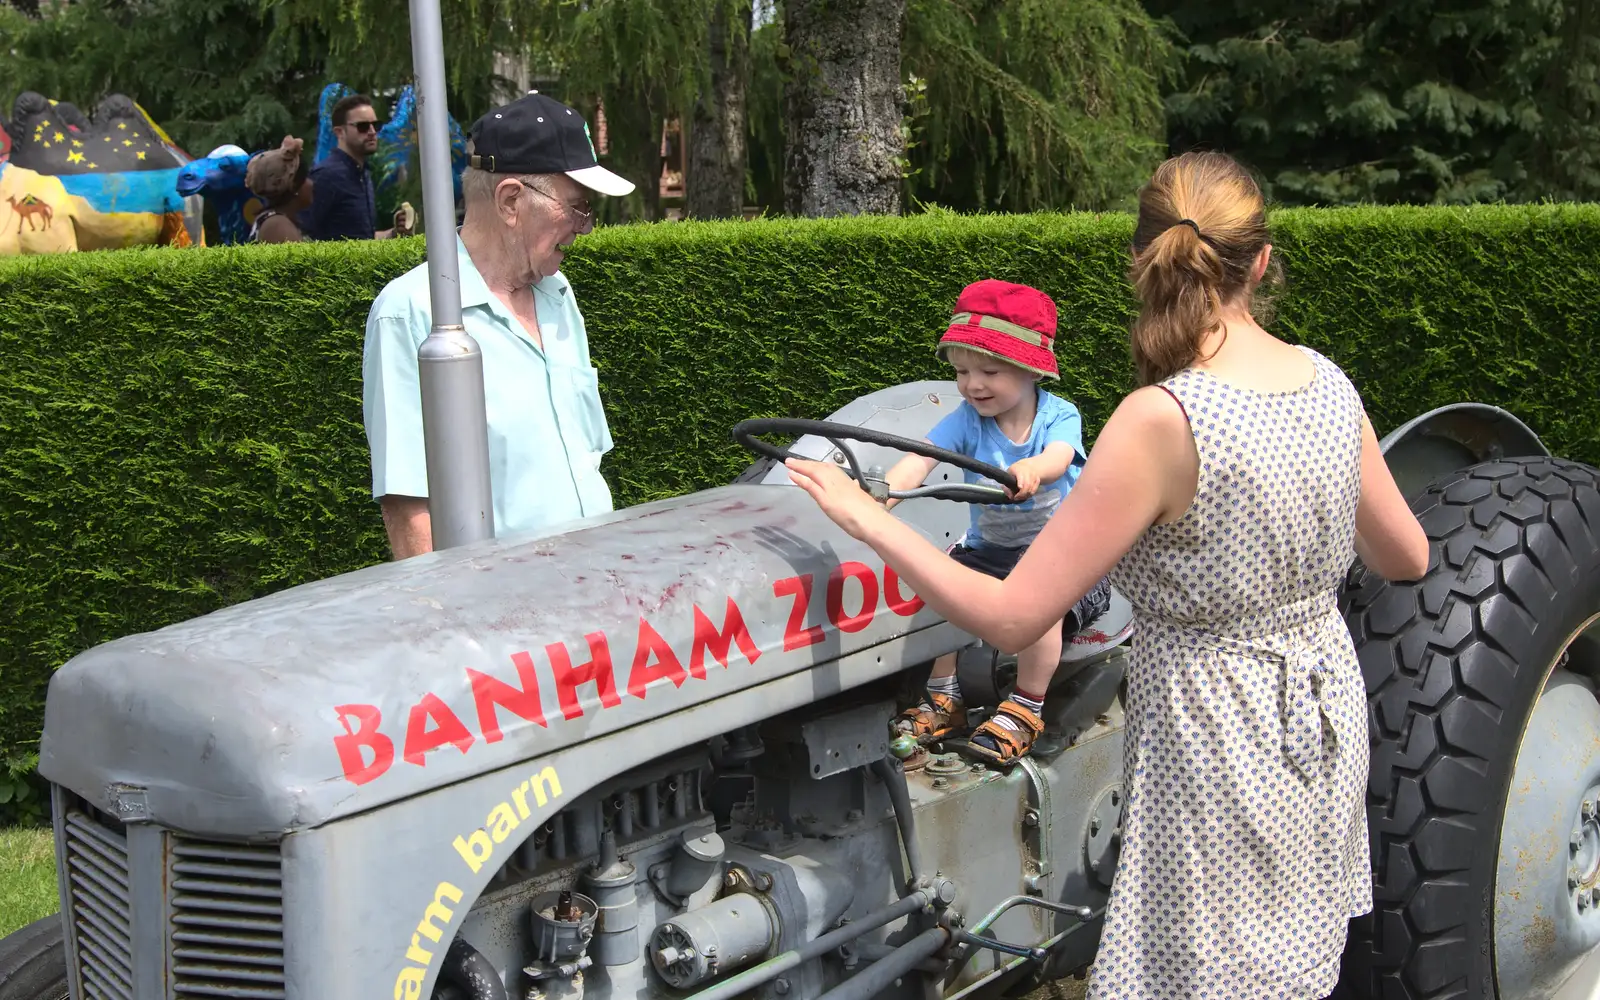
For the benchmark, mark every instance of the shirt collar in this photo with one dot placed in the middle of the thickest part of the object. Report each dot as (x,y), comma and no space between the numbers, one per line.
(349,161)
(474,292)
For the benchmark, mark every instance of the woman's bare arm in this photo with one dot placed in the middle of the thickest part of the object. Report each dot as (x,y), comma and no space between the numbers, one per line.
(1389,539)
(1141,466)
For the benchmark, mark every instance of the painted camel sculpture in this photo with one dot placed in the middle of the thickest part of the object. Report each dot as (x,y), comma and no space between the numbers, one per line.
(72,183)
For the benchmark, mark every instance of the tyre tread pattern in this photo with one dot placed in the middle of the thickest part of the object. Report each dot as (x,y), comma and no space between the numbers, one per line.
(33,961)
(1453,663)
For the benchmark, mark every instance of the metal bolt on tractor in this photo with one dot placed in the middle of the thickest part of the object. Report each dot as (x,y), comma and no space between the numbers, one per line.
(647,755)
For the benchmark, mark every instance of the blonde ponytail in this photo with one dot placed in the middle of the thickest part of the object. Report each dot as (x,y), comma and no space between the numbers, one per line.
(1202,224)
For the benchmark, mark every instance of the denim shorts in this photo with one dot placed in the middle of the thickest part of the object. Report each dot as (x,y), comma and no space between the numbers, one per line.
(999,562)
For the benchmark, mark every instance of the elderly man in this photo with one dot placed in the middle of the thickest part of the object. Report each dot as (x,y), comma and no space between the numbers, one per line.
(524,193)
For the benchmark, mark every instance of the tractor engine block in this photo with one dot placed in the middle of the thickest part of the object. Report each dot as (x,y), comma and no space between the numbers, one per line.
(677,875)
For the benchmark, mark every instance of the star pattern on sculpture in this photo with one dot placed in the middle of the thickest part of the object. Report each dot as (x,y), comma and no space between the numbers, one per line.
(124,147)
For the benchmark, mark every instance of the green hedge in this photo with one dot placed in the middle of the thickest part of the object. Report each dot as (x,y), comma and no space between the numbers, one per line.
(181,429)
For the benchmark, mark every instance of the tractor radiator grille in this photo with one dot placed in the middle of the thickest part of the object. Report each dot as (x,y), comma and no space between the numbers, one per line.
(227,920)
(98,904)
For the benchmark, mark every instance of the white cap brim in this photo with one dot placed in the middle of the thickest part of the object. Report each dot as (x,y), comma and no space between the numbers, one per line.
(602,180)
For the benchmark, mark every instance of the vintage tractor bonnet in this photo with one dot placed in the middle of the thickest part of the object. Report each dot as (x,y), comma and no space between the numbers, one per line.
(348,693)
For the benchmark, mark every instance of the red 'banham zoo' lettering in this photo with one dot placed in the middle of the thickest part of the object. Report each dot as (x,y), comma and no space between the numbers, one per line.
(851,600)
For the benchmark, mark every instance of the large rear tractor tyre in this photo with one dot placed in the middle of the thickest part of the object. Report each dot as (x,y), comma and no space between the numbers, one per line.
(1485,778)
(33,962)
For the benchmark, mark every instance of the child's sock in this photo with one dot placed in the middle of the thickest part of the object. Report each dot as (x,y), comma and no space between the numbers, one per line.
(1028,700)
(945,685)
(936,685)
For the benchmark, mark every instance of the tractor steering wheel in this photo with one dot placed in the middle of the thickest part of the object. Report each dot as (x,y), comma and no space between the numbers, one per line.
(745,430)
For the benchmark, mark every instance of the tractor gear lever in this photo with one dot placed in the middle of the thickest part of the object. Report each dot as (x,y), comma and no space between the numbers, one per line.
(967,937)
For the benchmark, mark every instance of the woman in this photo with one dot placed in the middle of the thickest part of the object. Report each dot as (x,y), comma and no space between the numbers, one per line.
(1227,498)
(278,177)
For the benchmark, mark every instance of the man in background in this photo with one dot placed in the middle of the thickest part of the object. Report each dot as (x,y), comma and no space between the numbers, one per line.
(344,203)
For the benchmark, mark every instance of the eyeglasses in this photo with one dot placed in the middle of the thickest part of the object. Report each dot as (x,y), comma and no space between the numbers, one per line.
(362,127)
(583,215)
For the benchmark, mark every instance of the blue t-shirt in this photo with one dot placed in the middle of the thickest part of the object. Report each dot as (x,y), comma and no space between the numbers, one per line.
(1013,525)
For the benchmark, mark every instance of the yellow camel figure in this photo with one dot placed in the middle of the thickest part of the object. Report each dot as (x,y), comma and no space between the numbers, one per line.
(36,213)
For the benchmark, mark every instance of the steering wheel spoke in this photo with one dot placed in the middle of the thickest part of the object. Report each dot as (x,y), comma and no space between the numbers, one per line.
(959,492)
(745,433)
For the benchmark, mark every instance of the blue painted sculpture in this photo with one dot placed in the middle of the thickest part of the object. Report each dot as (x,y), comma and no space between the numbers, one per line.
(220,175)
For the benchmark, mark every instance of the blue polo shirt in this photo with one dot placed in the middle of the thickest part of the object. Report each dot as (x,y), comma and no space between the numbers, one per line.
(547,430)
(1013,526)
(343,202)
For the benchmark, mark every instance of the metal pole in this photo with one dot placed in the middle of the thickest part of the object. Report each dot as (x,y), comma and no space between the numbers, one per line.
(455,431)
(965,948)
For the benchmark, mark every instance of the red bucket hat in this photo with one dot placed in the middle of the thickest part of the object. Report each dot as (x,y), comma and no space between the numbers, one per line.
(1014,323)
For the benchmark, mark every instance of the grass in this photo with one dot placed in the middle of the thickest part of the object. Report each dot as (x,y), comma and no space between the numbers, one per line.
(27,877)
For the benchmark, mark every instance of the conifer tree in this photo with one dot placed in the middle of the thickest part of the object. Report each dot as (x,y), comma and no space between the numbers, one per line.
(715,186)
(843,107)
(208,71)
(1033,104)
(1444,101)
(1008,105)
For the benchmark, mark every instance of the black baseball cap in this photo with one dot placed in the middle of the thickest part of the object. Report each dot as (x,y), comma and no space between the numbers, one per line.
(536,134)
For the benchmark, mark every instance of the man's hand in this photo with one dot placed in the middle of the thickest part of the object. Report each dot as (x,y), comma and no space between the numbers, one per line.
(1028,475)
(408,525)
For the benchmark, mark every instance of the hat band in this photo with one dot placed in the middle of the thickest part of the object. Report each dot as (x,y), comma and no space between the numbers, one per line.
(485,163)
(1022,333)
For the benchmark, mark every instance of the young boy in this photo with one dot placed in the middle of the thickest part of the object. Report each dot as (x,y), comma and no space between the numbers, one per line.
(1000,344)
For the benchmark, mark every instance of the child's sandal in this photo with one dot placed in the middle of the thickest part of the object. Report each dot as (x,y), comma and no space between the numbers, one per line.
(938,716)
(1013,743)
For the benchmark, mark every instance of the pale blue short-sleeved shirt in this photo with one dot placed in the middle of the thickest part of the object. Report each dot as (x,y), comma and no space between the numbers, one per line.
(547,430)
(1013,526)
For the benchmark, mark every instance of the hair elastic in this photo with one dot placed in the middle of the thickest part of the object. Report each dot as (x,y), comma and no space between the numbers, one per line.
(1187,222)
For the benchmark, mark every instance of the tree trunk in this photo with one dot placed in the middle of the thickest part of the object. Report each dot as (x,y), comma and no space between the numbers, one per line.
(717,150)
(843,105)
(513,81)
(633,125)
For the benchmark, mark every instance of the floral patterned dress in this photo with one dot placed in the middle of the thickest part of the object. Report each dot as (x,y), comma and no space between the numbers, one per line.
(1244,838)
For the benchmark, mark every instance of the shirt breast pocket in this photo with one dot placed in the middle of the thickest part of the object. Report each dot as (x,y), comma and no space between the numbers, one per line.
(581,402)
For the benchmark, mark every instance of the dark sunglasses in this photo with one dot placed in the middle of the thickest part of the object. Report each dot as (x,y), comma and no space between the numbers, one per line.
(361,126)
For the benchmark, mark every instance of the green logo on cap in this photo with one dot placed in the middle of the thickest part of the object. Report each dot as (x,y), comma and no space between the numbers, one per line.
(586,135)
